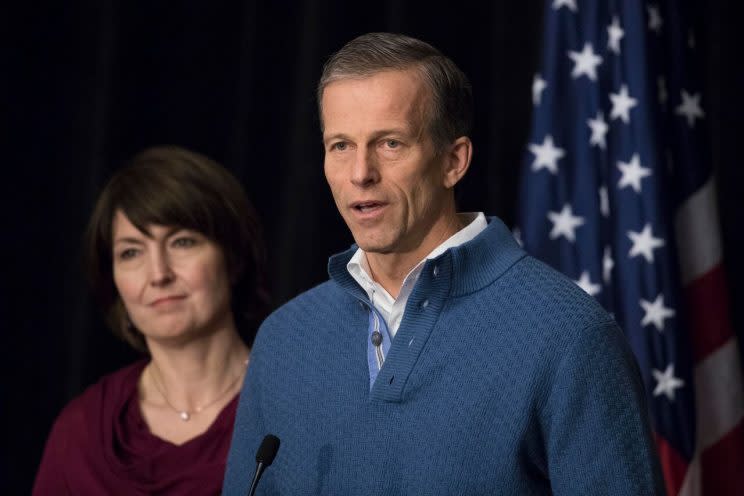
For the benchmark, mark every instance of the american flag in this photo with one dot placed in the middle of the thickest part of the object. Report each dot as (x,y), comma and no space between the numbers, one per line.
(618,193)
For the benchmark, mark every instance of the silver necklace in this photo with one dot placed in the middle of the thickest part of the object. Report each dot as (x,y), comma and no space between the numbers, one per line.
(186,415)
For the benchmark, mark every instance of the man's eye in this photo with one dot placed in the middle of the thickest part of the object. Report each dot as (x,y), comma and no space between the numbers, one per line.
(391,143)
(184,242)
(340,146)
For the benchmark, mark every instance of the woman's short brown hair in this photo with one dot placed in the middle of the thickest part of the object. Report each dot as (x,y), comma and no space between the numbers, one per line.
(171,186)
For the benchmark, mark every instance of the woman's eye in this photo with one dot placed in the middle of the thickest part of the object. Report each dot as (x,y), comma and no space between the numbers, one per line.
(184,242)
(129,253)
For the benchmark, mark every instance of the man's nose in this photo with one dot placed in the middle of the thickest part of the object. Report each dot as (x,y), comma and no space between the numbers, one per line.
(365,169)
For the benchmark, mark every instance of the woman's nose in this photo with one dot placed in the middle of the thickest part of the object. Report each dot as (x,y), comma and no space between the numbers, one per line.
(160,269)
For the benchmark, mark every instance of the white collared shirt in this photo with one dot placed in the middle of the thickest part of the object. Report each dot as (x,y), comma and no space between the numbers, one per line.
(392,308)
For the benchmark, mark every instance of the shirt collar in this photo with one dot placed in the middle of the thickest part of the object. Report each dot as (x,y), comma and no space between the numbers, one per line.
(359,269)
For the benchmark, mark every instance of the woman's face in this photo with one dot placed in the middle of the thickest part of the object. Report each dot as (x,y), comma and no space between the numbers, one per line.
(173,283)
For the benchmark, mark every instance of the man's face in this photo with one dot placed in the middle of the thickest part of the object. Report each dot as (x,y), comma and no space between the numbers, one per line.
(385,175)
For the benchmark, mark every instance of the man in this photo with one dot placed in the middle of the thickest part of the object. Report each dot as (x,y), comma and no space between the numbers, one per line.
(439,358)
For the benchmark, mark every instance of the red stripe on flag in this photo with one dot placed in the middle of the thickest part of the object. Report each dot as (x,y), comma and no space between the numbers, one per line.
(707,309)
(723,464)
(673,465)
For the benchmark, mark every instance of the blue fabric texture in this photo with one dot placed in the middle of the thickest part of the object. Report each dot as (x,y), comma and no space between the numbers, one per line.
(503,378)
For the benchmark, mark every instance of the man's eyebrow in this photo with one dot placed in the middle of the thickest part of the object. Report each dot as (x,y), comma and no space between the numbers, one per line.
(335,136)
(399,131)
(376,135)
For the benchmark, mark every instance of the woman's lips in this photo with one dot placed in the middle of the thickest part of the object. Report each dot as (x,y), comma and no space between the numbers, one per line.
(166,300)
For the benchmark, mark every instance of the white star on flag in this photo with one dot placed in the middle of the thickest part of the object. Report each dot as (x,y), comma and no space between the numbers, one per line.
(690,108)
(585,283)
(564,223)
(546,155)
(614,34)
(644,243)
(607,265)
(622,102)
(538,85)
(656,312)
(604,202)
(654,19)
(666,383)
(585,62)
(571,4)
(599,129)
(632,173)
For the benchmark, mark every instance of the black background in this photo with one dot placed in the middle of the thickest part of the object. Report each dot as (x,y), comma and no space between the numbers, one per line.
(85,86)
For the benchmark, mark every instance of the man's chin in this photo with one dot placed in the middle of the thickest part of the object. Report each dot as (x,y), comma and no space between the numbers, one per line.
(372,246)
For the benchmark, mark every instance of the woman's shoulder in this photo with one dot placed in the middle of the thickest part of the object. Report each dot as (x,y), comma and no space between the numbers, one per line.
(110,390)
(127,376)
(77,436)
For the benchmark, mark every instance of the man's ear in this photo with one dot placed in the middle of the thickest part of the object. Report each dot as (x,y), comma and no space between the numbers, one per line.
(457,161)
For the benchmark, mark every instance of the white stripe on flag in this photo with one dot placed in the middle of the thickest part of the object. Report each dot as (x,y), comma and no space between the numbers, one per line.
(719,404)
(698,234)
(693,483)
(718,394)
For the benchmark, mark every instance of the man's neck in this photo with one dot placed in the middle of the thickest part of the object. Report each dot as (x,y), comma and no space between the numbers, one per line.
(389,270)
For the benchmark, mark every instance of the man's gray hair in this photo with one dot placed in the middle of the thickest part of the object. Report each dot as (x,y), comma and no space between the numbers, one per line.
(451,112)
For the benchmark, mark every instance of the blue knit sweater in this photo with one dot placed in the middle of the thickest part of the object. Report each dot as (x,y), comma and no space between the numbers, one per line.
(508,380)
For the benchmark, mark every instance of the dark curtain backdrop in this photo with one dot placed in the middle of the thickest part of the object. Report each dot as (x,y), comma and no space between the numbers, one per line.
(85,86)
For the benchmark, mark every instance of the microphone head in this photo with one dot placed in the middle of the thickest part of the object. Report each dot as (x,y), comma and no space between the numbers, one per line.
(267,451)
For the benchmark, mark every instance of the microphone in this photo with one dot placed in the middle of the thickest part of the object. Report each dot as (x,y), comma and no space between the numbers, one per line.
(264,457)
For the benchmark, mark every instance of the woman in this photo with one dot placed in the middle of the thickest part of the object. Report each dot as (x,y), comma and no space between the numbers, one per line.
(176,260)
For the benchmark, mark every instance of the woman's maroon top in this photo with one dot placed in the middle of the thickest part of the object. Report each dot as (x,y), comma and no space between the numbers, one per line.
(100,444)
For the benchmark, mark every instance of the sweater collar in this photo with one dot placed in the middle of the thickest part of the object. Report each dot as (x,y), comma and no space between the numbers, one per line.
(475,264)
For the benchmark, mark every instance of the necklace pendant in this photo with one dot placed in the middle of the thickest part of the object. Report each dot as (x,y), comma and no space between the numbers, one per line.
(185,416)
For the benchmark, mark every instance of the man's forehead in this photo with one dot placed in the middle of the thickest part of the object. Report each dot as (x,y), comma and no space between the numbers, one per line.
(407,83)
(383,98)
